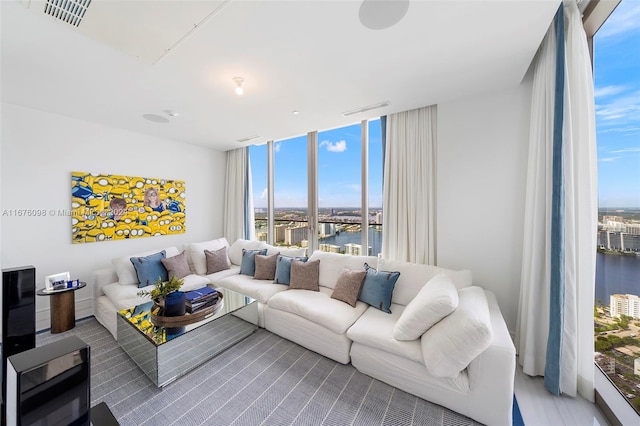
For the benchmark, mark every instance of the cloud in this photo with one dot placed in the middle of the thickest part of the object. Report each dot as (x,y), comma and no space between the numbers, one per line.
(263,194)
(620,151)
(610,159)
(354,187)
(276,147)
(339,146)
(608,90)
(619,23)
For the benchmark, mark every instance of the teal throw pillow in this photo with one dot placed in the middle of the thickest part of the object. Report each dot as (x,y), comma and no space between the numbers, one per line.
(378,288)
(248,265)
(150,268)
(283,269)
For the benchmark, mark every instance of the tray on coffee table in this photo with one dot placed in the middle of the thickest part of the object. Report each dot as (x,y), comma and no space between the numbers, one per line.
(186,319)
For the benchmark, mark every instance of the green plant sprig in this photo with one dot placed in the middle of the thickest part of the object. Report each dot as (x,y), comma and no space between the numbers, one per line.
(162,288)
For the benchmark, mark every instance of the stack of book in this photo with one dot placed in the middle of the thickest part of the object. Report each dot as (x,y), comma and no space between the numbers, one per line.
(196,300)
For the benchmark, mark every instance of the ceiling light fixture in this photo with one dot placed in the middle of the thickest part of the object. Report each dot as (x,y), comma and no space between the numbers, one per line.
(238,81)
(382,14)
(249,138)
(367,108)
(296,112)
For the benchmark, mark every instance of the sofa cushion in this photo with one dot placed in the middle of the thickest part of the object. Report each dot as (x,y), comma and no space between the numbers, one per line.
(235,251)
(177,266)
(260,290)
(196,256)
(437,299)
(377,289)
(450,345)
(126,296)
(290,252)
(375,329)
(319,307)
(265,267)
(413,276)
(332,263)
(218,276)
(304,275)
(216,260)
(283,269)
(248,264)
(349,285)
(150,269)
(124,268)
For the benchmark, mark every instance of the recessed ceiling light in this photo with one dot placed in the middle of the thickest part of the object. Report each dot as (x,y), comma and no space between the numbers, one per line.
(172,113)
(155,118)
(366,108)
(249,138)
(296,112)
(381,14)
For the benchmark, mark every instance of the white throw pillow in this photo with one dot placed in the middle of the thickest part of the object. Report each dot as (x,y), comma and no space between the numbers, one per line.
(437,299)
(197,256)
(449,346)
(125,270)
(235,251)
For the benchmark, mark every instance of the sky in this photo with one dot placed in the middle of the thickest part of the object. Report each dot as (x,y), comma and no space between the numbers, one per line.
(339,171)
(617,99)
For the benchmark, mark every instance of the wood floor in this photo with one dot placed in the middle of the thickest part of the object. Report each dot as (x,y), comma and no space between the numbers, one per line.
(539,407)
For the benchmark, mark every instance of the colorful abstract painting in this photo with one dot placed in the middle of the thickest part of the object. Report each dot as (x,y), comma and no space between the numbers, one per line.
(114,207)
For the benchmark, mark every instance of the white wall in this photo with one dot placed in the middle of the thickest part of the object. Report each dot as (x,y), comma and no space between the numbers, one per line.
(482,167)
(39,152)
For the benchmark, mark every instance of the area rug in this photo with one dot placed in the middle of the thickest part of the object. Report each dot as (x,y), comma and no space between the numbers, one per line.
(263,380)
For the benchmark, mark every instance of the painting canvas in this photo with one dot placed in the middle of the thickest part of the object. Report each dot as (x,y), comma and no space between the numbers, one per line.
(115,207)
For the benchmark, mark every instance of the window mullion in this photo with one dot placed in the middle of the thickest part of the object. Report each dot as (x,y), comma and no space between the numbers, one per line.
(312,190)
(364,134)
(270,194)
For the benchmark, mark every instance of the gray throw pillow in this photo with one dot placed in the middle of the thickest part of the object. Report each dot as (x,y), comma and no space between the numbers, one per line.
(216,260)
(348,286)
(265,267)
(305,275)
(176,266)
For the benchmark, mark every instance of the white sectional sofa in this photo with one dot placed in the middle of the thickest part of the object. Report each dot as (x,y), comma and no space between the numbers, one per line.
(465,361)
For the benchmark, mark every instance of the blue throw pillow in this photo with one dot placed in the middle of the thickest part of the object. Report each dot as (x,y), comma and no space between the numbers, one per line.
(283,269)
(150,268)
(378,288)
(248,265)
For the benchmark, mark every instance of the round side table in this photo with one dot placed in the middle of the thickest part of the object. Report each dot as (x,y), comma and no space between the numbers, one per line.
(63,307)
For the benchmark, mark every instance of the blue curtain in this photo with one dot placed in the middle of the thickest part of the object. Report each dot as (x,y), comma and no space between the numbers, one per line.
(557,277)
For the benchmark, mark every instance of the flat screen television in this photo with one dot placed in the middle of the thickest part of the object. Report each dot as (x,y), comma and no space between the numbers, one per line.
(50,385)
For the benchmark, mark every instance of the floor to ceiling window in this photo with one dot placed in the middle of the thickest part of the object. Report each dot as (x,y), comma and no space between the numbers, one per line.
(340,164)
(617,96)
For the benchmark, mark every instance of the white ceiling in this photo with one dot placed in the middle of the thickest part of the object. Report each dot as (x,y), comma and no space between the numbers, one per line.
(131,58)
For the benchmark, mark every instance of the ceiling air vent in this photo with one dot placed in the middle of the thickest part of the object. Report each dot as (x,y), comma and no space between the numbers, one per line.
(69,11)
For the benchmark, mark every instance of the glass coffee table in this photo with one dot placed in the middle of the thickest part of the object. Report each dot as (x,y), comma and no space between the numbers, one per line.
(165,353)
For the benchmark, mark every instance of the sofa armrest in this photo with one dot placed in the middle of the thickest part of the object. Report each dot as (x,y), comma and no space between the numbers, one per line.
(493,371)
(101,278)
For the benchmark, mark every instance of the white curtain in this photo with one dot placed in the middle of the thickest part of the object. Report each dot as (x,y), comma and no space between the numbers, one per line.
(581,177)
(238,202)
(532,324)
(580,214)
(409,186)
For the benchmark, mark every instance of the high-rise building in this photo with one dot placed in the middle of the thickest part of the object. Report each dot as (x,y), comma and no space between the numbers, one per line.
(331,248)
(607,363)
(625,304)
(326,229)
(355,250)
(279,231)
(294,236)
